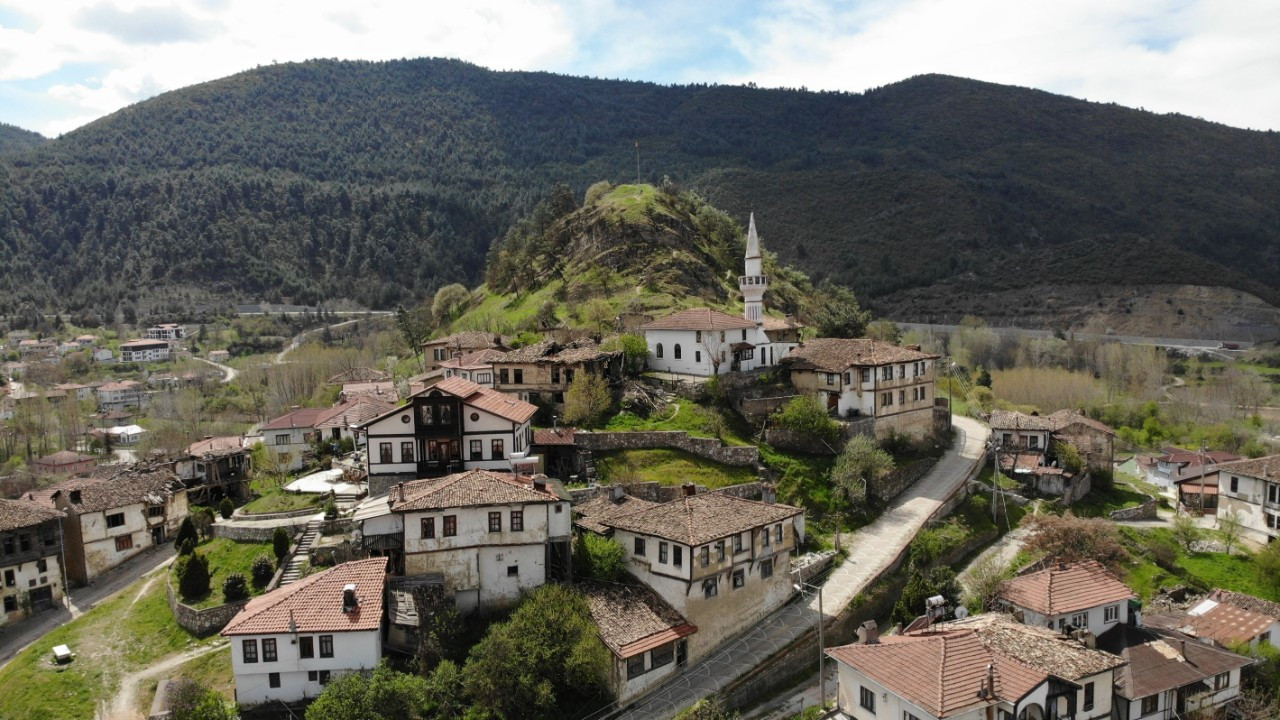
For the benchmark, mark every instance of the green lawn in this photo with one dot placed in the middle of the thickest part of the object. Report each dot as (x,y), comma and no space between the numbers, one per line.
(225,557)
(1202,571)
(668,467)
(278,500)
(123,635)
(213,670)
(1100,502)
(684,415)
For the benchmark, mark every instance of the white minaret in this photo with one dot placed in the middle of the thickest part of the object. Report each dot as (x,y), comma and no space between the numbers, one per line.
(753,283)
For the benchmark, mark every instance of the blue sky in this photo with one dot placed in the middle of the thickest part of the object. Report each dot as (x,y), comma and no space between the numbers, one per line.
(66,62)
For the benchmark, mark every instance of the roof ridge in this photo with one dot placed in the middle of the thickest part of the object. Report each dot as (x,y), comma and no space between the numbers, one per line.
(942,667)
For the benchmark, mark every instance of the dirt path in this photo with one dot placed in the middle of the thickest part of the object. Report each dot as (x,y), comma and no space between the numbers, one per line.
(228,373)
(297,339)
(124,705)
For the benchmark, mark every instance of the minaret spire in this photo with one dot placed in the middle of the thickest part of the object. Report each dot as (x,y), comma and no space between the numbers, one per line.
(753,240)
(752,282)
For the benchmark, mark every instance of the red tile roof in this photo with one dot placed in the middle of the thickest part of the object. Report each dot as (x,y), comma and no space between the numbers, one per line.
(353,411)
(592,514)
(301,418)
(471,361)
(111,488)
(1010,420)
(633,619)
(699,519)
(468,340)
(557,436)
(1065,418)
(1266,468)
(16,514)
(488,399)
(314,603)
(1056,591)
(838,354)
(1228,624)
(1248,602)
(467,489)
(218,446)
(63,457)
(699,319)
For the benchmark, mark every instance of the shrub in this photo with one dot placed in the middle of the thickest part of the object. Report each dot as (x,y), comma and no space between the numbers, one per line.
(186,547)
(599,557)
(186,531)
(280,543)
(330,509)
(235,588)
(262,570)
(805,416)
(193,576)
(226,507)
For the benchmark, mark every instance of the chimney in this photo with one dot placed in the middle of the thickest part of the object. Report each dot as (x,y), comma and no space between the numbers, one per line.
(540,483)
(400,487)
(914,347)
(689,489)
(991,679)
(1062,565)
(869,633)
(349,603)
(615,493)
(75,497)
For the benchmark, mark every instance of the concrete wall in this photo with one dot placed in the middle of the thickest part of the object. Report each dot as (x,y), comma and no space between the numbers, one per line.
(709,448)
(353,651)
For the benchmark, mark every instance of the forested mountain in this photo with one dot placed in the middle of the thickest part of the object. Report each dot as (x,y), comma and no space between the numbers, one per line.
(379,182)
(15,138)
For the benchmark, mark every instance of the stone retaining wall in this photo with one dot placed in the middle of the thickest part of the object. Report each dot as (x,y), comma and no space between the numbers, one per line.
(900,479)
(759,408)
(785,439)
(709,448)
(200,622)
(654,492)
(305,512)
(251,533)
(1145,511)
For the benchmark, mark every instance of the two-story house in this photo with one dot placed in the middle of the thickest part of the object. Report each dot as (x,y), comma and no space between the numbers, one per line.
(868,378)
(288,644)
(474,366)
(488,536)
(1227,618)
(216,467)
(119,395)
(30,568)
(340,421)
(721,561)
(642,632)
(144,351)
(456,345)
(1169,674)
(1027,445)
(452,426)
(113,516)
(1069,596)
(984,668)
(543,371)
(1176,464)
(290,436)
(1251,490)
(64,462)
(166,331)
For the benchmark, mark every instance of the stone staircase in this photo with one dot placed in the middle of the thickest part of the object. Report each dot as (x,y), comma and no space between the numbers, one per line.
(293,569)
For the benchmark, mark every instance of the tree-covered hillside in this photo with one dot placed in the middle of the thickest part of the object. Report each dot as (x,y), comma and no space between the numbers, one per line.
(380,182)
(13,138)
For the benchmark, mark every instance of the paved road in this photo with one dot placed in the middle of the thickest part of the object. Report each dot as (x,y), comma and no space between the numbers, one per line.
(14,638)
(871,549)
(1199,344)
(297,339)
(228,373)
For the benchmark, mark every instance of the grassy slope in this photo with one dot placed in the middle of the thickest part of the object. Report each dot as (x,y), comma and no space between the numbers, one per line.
(123,635)
(1202,571)
(225,557)
(669,467)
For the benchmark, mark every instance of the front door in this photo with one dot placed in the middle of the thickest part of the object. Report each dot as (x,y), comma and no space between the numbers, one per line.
(157,535)
(1180,701)
(42,598)
(833,402)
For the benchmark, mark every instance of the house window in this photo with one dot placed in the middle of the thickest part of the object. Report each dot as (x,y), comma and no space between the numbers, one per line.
(115,520)
(697,356)
(1221,681)
(706,555)
(519,376)
(124,542)
(764,537)
(866,375)
(450,525)
(428,528)
(662,553)
(1080,620)
(638,548)
(737,543)
(867,698)
(908,716)
(269,650)
(675,351)
(568,375)
(1088,696)
(282,439)
(677,556)
(719,551)
(555,375)
(484,378)
(155,511)
(477,449)
(739,578)
(495,522)
(323,677)
(406,452)
(8,545)
(902,397)
(1033,441)
(710,588)
(663,655)
(831,378)
(777,533)
(306,648)
(886,373)
(766,568)
(496,450)
(24,542)
(11,603)
(273,680)
(384,453)
(326,646)
(517,520)
(902,371)
(1111,613)
(1235,484)
(659,354)
(250,650)
(42,565)
(635,663)
(513,571)
(1150,704)
(504,376)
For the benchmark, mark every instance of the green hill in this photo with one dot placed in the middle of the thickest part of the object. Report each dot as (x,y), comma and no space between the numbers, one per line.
(13,138)
(380,182)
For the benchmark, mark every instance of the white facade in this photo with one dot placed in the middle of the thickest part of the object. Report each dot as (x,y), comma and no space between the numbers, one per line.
(167,331)
(484,567)
(294,677)
(144,351)
(1162,705)
(289,445)
(696,352)
(1256,501)
(1096,619)
(120,395)
(110,537)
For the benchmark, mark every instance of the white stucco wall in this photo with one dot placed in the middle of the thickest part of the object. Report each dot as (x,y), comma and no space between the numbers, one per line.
(1097,623)
(27,577)
(352,651)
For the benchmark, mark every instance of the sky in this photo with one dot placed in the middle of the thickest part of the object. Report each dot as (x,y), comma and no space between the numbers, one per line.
(64,63)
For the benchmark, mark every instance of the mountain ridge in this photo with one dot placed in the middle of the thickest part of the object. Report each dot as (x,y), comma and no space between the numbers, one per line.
(382,181)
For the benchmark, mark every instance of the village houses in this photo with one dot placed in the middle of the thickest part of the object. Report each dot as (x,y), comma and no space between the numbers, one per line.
(120,395)
(1030,448)
(452,426)
(31,577)
(166,331)
(855,378)
(288,644)
(722,562)
(1251,490)
(435,352)
(215,467)
(289,436)
(475,366)
(137,351)
(1068,597)
(543,371)
(641,631)
(113,516)
(64,462)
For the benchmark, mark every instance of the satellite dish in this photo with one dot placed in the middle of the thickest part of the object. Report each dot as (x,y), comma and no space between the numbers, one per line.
(962,612)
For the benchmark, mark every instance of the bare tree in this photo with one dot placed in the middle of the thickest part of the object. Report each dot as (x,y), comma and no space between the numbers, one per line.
(1231,528)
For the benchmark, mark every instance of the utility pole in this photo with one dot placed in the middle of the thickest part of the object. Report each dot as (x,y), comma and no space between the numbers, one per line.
(637,162)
